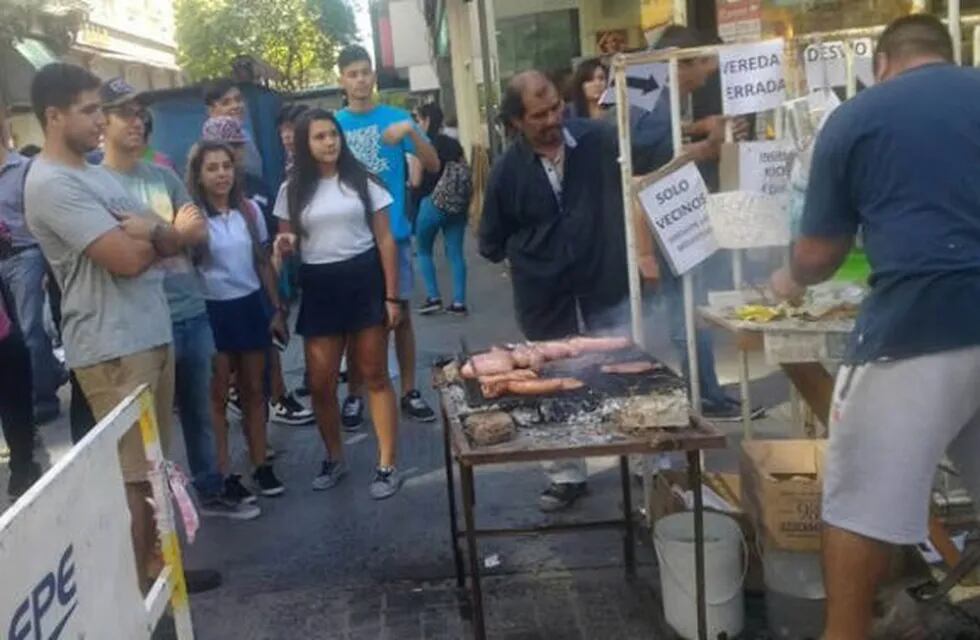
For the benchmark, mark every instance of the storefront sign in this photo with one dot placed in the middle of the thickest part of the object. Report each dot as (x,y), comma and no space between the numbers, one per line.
(676,206)
(739,20)
(826,65)
(752,77)
(763,167)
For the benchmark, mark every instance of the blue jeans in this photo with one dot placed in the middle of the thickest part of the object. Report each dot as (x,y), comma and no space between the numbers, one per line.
(672,288)
(430,221)
(24,276)
(193,350)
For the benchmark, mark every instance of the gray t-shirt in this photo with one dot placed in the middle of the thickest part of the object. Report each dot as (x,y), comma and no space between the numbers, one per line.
(160,190)
(103,316)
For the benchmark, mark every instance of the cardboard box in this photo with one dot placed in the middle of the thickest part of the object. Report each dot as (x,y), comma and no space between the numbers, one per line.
(782,481)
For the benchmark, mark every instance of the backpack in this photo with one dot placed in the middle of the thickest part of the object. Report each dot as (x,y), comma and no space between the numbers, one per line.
(453,192)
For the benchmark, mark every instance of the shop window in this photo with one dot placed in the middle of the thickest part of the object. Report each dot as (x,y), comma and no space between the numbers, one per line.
(789,17)
(547,41)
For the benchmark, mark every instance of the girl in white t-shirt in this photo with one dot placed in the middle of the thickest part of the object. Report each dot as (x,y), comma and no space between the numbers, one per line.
(239,289)
(335,214)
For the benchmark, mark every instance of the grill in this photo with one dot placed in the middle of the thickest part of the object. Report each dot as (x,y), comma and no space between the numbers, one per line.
(598,401)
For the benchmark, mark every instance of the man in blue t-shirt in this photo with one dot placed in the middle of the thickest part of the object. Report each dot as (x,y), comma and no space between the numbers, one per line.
(897,163)
(380,136)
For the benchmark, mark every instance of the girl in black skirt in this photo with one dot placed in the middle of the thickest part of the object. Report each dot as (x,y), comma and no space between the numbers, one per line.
(234,270)
(335,214)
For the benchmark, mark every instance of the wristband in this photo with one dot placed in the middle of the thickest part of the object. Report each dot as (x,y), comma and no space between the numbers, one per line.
(395,300)
(155,236)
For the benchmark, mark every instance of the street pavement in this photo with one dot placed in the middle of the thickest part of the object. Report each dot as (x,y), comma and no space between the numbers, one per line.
(337,564)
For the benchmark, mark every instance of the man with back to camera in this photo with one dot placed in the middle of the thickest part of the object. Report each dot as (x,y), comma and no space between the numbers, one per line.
(897,163)
(554,209)
(23,268)
(103,248)
(380,136)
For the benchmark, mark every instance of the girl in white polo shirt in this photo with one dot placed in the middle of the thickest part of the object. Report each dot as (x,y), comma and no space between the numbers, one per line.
(335,214)
(239,288)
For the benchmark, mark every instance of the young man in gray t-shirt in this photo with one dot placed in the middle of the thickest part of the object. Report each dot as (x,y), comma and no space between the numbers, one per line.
(103,248)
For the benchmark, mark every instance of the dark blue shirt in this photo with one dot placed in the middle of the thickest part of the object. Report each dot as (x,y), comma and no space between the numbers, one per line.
(901,161)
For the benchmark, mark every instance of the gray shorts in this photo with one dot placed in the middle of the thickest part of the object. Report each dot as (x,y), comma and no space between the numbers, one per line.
(890,424)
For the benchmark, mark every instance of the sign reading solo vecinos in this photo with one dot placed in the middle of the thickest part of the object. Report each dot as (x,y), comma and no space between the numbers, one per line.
(752,77)
(676,207)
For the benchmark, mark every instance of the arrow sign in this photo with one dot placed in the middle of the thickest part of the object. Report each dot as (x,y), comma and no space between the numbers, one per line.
(646,85)
(645,82)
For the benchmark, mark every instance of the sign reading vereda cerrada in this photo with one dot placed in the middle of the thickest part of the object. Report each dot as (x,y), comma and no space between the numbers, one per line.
(752,77)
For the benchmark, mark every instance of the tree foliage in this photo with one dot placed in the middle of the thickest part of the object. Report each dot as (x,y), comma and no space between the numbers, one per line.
(299,38)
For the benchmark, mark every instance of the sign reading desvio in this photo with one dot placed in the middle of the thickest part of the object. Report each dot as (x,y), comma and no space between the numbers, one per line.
(676,206)
(48,606)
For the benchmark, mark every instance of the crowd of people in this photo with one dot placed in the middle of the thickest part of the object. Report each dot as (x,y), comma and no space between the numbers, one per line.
(210,264)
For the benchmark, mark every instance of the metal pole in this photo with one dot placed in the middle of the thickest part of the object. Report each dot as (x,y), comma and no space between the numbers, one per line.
(849,69)
(488,80)
(626,173)
(694,472)
(688,278)
(976,46)
(955,29)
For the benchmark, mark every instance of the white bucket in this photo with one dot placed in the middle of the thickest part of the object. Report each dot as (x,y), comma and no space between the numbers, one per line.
(725,564)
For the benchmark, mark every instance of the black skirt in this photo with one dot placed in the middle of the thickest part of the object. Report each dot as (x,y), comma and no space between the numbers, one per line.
(241,324)
(339,298)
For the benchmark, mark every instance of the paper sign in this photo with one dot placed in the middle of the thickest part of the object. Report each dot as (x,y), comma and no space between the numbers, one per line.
(645,83)
(752,77)
(677,210)
(742,220)
(825,64)
(739,20)
(763,167)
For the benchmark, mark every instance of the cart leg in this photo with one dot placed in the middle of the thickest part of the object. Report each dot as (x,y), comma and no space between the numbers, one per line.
(476,593)
(451,490)
(629,549)
(746,398)
(694,471)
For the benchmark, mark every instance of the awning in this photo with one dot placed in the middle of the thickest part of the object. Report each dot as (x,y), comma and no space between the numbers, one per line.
(35,52)
(18,64)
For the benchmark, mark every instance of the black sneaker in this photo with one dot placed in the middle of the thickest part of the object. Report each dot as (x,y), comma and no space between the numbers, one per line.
(352,414)
(201,580)
(267,482)
(236,491)
(289,411)
(415,407)
(561,495)
(430,306)
(22,478)
(457,309)
(222,506)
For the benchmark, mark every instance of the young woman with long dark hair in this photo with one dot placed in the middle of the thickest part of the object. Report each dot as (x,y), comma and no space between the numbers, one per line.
(335,215)
(587,86)
(235,269)
(431,220)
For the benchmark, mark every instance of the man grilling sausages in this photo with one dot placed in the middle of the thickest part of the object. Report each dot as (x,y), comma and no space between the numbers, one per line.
(554,210)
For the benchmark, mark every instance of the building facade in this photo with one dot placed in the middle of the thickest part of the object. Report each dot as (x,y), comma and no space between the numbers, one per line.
(553,35)
(133,39)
